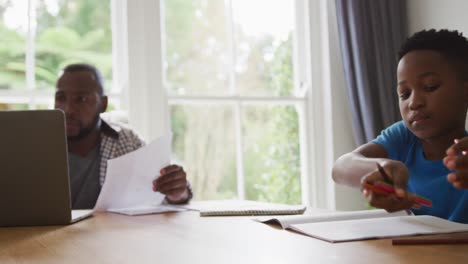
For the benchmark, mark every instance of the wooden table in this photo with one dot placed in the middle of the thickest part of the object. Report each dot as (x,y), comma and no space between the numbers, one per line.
(187,238)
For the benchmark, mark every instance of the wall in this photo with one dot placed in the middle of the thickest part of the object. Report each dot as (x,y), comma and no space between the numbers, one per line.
(449,14)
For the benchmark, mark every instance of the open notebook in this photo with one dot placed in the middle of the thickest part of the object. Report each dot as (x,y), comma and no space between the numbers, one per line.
(367,224)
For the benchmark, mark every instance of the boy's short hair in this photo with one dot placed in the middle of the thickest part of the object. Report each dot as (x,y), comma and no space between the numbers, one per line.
(77,67)
(451,44)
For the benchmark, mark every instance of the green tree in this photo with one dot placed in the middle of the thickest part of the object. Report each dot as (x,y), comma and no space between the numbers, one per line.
(196,40)
(79,32)
(274,161)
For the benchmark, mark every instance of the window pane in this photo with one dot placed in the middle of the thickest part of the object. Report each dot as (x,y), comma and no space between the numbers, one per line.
(225,48)
(204,143)
(272,154)
(72,31)
(13,29)
(199,41)
(13,106)
(197,51)
(44,106)
(264,47)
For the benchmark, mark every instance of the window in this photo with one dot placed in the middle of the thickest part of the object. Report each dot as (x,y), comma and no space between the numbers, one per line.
(40,37)
(236,109)
(234,73)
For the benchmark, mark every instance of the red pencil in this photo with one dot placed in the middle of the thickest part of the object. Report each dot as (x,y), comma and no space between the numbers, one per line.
(389,188)
(418,199)
(375,189)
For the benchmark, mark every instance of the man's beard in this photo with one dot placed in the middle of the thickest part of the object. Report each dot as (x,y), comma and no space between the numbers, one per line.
(85,131)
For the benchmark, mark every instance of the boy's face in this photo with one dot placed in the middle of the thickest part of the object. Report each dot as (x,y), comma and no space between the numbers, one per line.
(433,101)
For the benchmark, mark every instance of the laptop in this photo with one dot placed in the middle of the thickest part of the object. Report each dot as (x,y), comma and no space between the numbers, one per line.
(34,181)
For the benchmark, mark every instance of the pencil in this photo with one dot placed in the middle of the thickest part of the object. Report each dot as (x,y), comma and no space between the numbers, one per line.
(383,173)
(417,198)
(375,189)
(385,185)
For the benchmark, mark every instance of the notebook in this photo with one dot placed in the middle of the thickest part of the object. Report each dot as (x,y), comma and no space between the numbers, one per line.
(34,182)
(366,224)
(242,208)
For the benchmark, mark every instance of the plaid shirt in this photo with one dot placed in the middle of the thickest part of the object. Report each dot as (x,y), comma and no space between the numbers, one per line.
(116,140)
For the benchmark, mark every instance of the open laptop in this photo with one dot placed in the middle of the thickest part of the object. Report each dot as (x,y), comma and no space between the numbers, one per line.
(34,182)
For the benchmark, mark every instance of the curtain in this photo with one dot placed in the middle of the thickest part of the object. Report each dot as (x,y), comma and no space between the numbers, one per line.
(370,34)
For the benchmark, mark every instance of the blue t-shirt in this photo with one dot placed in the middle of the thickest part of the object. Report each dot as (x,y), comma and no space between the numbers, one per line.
(428,178)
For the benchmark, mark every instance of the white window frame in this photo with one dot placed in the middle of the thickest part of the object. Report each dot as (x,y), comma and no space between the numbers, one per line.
(147,100)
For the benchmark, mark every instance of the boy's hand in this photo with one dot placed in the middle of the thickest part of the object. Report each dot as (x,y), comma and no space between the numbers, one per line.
(457,161)
(398,176)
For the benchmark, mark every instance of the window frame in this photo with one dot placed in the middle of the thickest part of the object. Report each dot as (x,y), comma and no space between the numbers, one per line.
(141,33)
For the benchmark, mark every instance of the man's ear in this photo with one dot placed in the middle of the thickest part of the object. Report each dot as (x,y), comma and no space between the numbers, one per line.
(103,104)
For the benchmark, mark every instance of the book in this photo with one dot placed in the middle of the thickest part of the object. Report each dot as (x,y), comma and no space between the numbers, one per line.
(366,224)
(243,208)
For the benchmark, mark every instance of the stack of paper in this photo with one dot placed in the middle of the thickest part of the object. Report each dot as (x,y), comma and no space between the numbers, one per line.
(128,185)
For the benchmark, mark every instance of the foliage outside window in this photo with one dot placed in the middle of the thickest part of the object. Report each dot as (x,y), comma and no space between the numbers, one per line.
(214,51)
(59,32)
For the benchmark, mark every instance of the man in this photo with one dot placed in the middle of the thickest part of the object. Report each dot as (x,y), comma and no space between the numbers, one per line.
(92,141)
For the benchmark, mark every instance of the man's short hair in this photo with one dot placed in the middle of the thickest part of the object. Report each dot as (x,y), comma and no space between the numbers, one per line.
(77,67)
(452,45)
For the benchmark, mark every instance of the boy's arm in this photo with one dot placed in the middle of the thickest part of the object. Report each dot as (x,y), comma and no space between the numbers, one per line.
(351,167)
(359,166)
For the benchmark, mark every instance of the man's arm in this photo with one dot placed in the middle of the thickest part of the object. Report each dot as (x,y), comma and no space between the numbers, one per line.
(173,183)
(184,198)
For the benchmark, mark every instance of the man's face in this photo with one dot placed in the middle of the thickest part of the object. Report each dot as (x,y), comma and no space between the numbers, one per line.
(77,95)
(433,101)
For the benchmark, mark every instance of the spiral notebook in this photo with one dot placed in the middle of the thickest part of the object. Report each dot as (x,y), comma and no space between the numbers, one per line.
(243,208)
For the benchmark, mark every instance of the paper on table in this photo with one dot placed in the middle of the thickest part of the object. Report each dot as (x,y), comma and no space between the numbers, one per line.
(128,185)
(287,221)
(386,227)
(148,209)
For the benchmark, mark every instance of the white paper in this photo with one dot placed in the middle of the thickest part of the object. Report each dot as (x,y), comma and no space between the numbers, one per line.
(128,186)
(286,221)
(147,209)
(386,227)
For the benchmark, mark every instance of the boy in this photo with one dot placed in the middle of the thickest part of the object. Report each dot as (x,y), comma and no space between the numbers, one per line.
(424,153)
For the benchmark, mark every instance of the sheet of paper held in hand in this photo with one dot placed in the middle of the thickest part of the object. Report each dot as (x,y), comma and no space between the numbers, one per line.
(128,185)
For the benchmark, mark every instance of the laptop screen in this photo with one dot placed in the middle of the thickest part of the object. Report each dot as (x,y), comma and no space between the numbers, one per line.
(34,183)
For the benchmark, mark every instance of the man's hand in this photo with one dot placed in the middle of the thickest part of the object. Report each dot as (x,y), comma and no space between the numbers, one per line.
(457,161)
(173,184)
